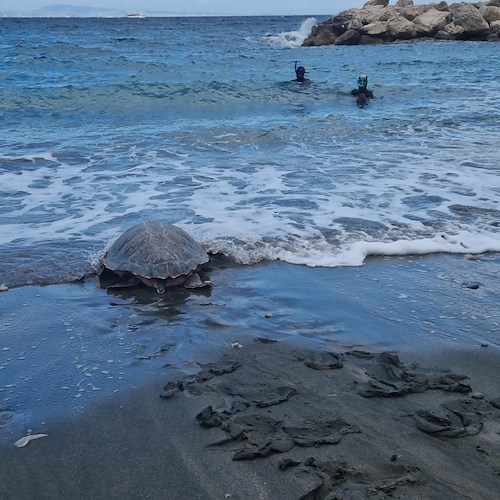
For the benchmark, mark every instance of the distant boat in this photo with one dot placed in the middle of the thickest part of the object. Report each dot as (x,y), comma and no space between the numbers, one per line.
(136,15)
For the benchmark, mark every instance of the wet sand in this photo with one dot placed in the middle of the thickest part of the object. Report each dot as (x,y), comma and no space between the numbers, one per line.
(285,382)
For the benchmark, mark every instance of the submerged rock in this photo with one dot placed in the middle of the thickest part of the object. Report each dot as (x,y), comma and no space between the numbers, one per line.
(379,22)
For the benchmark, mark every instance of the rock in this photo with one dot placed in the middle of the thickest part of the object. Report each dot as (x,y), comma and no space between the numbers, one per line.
(376,3)
(444,35)
(374,16)
(350,37)
(495,27)
(371,40)
(374,29)
(404,3)
(379,22)
(324,37)
(3,288)
(344,21)
(411,13)
(430,22)
(453,30)
(323,34)
(469,18)
(490,14)
(401,28)
(441,6)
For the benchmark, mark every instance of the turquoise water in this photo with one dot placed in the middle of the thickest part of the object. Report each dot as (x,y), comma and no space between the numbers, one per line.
(196,121)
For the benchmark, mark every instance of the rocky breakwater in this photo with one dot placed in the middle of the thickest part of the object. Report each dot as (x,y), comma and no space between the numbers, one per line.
(379,22)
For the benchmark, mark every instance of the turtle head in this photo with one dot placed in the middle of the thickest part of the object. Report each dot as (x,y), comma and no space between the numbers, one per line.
(160,285)
(157,283)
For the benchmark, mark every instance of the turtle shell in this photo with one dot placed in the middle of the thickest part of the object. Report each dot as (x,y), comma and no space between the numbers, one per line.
(155,249)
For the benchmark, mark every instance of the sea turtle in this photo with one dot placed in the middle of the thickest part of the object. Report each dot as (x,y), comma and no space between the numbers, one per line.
(158,254)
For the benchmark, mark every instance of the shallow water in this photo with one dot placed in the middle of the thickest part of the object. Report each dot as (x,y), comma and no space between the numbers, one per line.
(64,347)
(195,121)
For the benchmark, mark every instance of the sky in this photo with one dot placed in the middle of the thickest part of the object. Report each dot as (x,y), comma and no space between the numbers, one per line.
(224,7)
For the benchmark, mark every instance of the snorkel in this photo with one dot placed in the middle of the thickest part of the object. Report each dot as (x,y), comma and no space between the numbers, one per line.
(300,71)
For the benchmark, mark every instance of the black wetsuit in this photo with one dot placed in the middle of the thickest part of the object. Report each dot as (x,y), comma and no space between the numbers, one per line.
(361,90)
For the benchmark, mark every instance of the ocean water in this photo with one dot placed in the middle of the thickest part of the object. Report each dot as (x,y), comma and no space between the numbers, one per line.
(196,121)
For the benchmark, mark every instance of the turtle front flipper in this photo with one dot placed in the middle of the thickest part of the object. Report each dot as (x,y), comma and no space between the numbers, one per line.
(117,279)
(194,280)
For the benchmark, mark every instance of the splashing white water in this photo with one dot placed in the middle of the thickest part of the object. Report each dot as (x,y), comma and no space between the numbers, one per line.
(293,39)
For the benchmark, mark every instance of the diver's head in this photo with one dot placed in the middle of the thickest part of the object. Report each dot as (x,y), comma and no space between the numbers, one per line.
(362,81)
(300,71)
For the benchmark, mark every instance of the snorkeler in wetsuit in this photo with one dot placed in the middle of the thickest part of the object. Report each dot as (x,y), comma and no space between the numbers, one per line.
(300,72)
(362,89)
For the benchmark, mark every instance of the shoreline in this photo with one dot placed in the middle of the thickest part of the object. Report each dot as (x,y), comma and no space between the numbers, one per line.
(262,423)
(312,343)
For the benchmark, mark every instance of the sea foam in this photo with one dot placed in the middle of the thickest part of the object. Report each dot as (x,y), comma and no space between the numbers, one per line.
(293,39)
(213,135)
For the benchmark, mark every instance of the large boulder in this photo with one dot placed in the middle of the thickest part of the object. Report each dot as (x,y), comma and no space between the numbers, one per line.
(495,27)
(441,6)
(400,28)
(469,18)
(430,22)
(350,37)
(490,13)
(404,3)
(374,29)
(323,34)
(323,37)
(449,32)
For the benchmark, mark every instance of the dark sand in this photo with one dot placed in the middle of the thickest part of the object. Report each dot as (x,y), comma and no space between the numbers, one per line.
(284,383)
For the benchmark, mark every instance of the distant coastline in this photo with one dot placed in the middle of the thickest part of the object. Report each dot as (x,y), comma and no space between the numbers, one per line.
(68,10)
(63,10)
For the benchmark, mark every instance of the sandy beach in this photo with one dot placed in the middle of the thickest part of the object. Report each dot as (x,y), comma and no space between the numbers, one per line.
(283,382)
